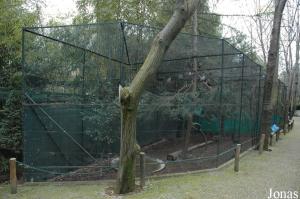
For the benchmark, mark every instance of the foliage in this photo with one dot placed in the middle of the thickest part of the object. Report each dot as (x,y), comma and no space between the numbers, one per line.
(4,168)
(10,131)
(13,16)
(100,119)
(239,40)
(153,13)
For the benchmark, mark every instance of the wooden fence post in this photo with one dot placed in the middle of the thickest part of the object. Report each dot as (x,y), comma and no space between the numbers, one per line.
(13,175)
(142,169)
(261,143)
(237,158)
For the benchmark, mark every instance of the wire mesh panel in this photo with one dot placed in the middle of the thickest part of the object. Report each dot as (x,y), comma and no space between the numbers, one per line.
(71,106)
(69,86)
(280,93)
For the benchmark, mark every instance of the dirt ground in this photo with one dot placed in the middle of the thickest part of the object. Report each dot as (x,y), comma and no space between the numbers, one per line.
(277,170)
(197,159)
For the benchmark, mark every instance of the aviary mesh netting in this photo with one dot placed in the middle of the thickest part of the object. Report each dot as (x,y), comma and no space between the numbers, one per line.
(71,120)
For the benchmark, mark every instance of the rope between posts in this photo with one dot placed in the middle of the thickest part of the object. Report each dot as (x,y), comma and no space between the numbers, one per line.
(62,129)
(41,169)
(38,169)
(44,169)
(248,141)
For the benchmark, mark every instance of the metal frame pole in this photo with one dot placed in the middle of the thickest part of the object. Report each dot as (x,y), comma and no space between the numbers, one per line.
(83,99)
(241,99)
(258,108)
(221,131)
(122,79)
(22,97)
(275,120)
(83,78)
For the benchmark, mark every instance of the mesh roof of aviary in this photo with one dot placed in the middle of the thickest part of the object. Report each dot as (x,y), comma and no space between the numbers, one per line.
(93,37)
(128,44)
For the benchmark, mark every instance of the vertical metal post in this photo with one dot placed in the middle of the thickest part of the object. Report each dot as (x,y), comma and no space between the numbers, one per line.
(125,42)
(221,103)
(286,123)
(277,106)
(23,90)
(250,123)
(241,99)
(83,78)
(258,108)
(122,79)
(83,97)
(282,106)
(126,48)
(23,61)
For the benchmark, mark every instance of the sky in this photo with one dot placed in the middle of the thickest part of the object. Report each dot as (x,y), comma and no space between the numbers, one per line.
(238,6)
(67,9)
(56,8)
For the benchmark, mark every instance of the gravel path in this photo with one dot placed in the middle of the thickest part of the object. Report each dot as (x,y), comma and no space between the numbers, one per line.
(279,170)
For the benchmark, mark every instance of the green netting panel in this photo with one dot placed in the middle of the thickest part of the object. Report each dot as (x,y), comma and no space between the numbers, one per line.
(4,93)
(230,126)
(279,110)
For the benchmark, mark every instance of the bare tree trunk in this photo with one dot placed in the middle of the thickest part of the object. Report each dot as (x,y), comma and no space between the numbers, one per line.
(292,75)
(292,72)
(296,66)
(129,96)
(290,89)
(260,28)
(261,39)
(296,101)
(272,71)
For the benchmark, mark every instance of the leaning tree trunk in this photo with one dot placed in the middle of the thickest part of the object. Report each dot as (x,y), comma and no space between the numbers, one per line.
(129,148)
(272,70)
(129,96)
